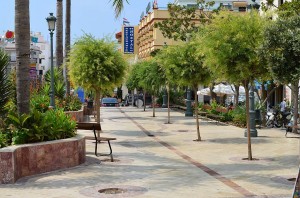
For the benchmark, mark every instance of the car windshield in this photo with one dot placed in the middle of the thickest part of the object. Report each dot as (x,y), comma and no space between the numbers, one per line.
(109,100)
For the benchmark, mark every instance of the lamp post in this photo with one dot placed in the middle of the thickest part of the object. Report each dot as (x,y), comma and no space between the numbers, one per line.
(51,27)
(188,112)
(165,98)
(253,131)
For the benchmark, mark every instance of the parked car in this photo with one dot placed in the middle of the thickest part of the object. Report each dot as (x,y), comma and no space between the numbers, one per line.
(109,102)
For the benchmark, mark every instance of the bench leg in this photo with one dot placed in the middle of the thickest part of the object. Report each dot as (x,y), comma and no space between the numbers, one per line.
(111,156)
(96,143)
(110,152)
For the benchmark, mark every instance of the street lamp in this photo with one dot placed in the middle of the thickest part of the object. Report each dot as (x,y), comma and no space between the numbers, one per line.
(253,131)
(51,27)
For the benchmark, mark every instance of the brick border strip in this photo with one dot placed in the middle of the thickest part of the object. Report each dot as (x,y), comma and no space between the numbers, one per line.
(204,168)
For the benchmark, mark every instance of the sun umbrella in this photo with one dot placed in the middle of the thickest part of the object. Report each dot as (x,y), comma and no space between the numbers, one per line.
(222,89)
(205,91)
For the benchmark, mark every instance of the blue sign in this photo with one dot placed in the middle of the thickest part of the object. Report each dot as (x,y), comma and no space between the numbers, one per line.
(34,39)
(128,40)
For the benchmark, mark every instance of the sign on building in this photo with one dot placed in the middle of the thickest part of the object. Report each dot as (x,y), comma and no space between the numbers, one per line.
(128,40)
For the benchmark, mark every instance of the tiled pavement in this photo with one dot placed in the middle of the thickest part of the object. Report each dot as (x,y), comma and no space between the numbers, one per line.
(155,159)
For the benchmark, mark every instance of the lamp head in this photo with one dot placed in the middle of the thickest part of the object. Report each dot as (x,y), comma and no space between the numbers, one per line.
(51,22)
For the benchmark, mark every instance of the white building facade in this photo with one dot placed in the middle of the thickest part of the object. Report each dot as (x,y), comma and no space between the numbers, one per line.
(39,54)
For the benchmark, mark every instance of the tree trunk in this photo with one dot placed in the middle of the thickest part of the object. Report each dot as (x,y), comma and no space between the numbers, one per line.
(295,92)
(213,95)
(22,40)
(59,33)
(145,101)
(237,94)
(246,85)
(169,120)
(196,113)
(97,106)
(67,43)
(153,105)
(263,97)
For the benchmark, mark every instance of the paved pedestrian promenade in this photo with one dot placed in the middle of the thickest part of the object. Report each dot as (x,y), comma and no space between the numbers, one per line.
(159,160)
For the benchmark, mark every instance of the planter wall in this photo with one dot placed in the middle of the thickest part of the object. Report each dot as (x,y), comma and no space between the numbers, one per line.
(76,115)
(30,159)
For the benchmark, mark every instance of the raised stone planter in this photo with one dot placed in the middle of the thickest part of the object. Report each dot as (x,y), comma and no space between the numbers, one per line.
(30,159)
(76,115)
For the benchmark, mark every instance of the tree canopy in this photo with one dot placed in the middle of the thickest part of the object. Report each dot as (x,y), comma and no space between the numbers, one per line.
(231,44)
(281,48)
(95,64)
(185,67)
(185,20)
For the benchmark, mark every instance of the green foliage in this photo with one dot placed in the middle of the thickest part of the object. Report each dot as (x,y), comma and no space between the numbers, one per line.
(281,47)
(133,79)
(38,126)
(182,21)
(59,84)
(71,103)
(96,64)
(3,140)
(289,9)
(151,76)
(176,97)
(239,116)
(5,85)
(39,102)
(230,44)
(183,65)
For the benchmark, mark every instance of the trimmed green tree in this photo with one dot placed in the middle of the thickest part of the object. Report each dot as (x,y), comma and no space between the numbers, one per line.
(281,48)
(184,66)
(152,78)
(230,44)
(95,64)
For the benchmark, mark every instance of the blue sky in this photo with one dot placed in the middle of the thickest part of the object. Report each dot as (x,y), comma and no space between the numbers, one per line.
(90,16)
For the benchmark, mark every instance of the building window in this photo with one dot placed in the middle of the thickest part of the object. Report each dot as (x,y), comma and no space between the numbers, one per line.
(191,5)
(242,9)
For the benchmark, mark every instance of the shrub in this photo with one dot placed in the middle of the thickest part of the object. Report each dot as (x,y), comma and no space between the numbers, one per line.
(3,140)
(39,102)
(239,116)
(38,126)
(71,103)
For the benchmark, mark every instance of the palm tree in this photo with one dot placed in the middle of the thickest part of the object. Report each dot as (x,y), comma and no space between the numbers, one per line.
(5,85)
(67,42)
(59,33)
(22,39)
(118,5)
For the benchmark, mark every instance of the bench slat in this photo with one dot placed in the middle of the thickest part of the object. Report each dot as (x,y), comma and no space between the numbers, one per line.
(88,125)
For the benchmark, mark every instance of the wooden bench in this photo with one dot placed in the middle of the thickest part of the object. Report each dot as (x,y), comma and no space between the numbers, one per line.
(95,126)
(218,117)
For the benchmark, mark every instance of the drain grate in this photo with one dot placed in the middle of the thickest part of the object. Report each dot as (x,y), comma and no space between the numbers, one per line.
(112,191)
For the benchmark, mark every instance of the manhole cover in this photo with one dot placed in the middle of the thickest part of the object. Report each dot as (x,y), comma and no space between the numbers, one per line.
(112,191)
(284,179)
(182,130)
(115,191)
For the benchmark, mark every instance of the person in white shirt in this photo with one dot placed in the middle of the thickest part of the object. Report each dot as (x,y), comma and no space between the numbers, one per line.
(283,105)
